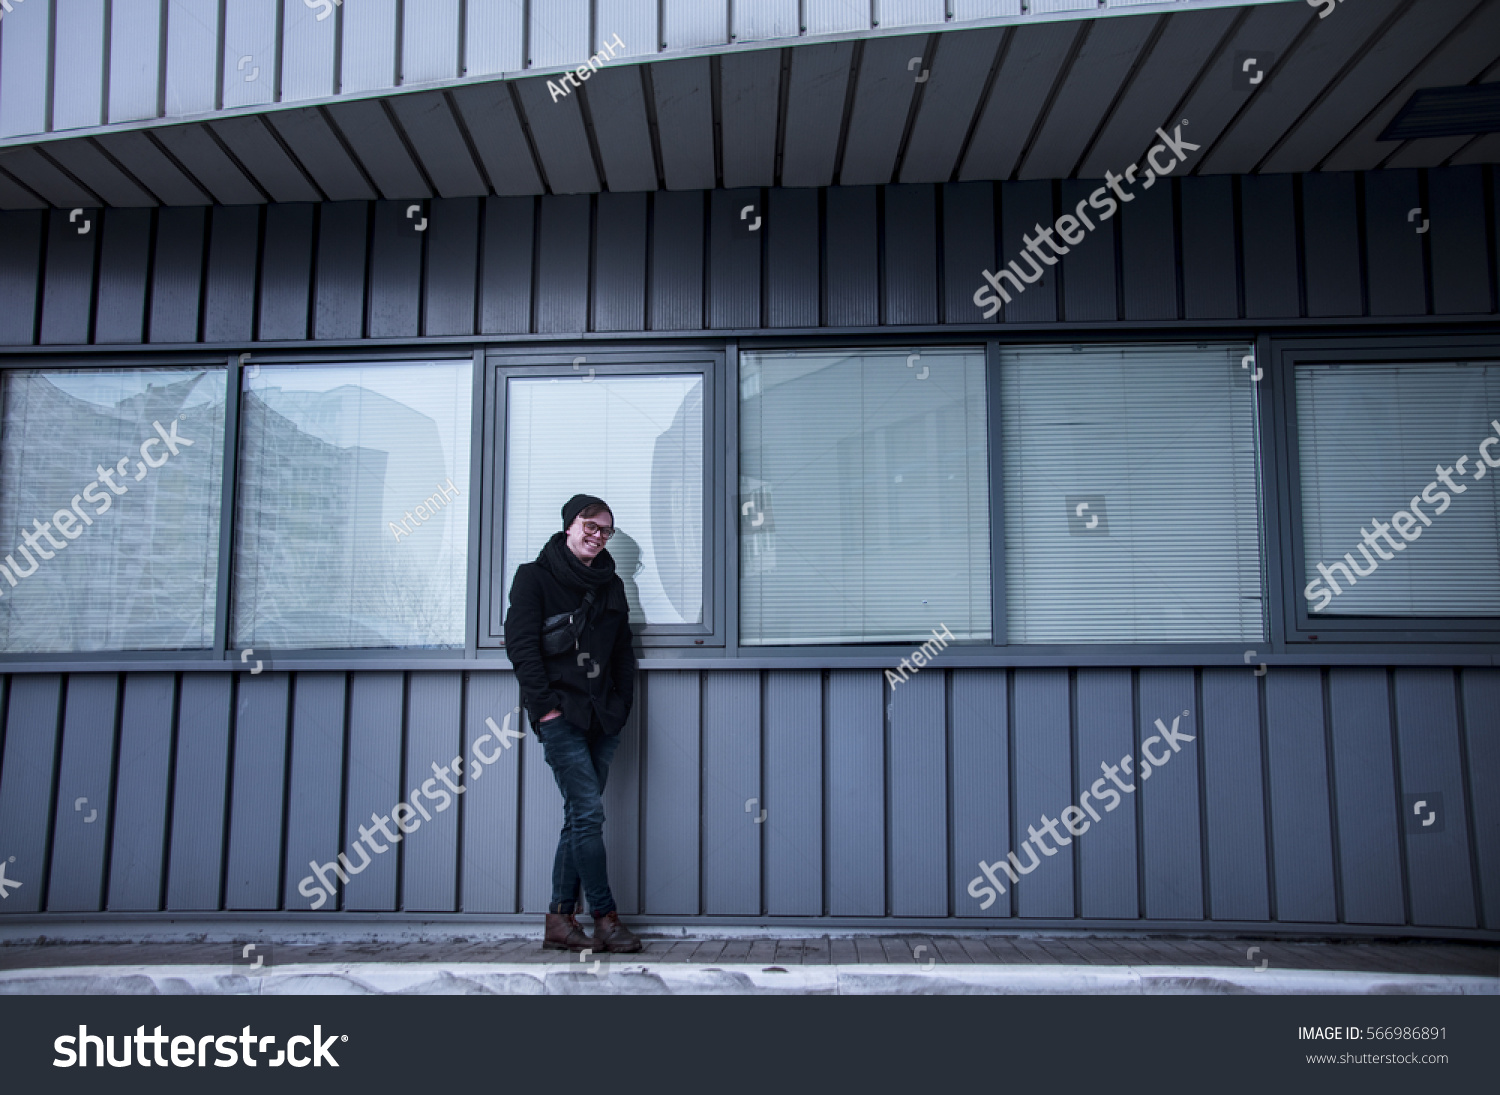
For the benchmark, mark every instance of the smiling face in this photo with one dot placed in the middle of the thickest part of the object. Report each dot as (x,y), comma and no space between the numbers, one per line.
(587,535)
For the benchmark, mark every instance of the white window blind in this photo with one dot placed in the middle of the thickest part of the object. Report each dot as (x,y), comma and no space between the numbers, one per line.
(137,568)
(352,517)
(636,442)
(1371,439)
(864,496)
(1132,504)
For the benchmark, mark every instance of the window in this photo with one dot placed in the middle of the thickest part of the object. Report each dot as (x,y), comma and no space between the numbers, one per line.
(113,479)
(864,496)
(1132,508)
(637,442)
(1399,512)
(352,516)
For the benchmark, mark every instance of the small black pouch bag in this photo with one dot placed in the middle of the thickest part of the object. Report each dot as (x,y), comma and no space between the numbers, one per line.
(560,632)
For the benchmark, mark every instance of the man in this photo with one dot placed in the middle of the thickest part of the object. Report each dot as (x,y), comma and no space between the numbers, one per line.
(577,700)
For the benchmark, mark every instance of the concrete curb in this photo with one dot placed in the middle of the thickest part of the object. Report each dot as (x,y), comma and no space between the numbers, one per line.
(671,979)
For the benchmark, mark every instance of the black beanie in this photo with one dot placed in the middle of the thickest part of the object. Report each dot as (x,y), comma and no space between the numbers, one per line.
(575,505)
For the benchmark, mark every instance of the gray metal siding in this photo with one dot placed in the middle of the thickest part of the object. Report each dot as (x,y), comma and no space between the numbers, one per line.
(286,272)
(1331,238)
(200,790)
(125,257)
(81,822)
(252,876)
(1088,269)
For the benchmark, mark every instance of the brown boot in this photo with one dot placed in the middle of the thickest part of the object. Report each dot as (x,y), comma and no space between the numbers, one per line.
(564,933)
(610,935)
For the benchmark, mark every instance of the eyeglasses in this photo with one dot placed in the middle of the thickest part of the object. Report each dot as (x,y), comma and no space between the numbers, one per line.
(605,531)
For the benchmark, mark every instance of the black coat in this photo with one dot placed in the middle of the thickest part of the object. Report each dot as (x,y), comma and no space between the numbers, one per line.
(563,680)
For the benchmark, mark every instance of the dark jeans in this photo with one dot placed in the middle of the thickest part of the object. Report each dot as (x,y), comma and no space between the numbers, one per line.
(580,762)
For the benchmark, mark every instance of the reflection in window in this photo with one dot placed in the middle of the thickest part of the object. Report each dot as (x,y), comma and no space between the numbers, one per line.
(864,496)
(112,537)
(636,442)
(352,513)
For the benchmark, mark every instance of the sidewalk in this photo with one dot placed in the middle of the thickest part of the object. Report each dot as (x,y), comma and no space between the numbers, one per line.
(755,964)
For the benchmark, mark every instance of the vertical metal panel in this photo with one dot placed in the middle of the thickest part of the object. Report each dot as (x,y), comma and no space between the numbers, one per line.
(1149,249)
(918,862)
(493,41)
(685,122)
(31,729)
(855,810)
(982,9)
(229,294)
(339,302)
(505,301)
(83,160)
(1171,840)
(192,82)
(749,89)
(694,23)
(1364,784)
(950,96)
(20,264)
(452,267)
(308,48)
(733,796)
(68,287)
(815,113)
(433,132)
(911,273)
(1330,244)
(139,833)
(676,292)
(979,766)
(793,793)
(78,64)
(429,40)
(372,137)
(882,104)
(619,264)
(177,274)
(319,150)
(968,248)
(1033,59)
(80,828)
(125,254)
(1393,247)
(561,143)
(200,785)
(491,806)
(249,52)
(368,58)
(765,19)
(559,33)
(909,13)
(1460,268)
(1233,794)
(1270,242)
(395,272)
(1108,885)
(1088,270)
(1209,282)
(429,865)
(251,142)
(671,777)
(373,769)
(562,266)
(1438,867)
(134,59)
(1043,763)
(201,155)
(617,104)
(734,263)
(792,258)
(490,117)
(315,788)
(25,70)
(1022,206)
(1481,713)
(633,22)
(286,272)
(541,822)
(139,155)
(832,16)
(622,815)
(851,260)
(253,867)
(1301,840)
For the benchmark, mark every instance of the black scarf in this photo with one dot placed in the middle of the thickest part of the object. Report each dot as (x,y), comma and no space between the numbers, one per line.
(572,572)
